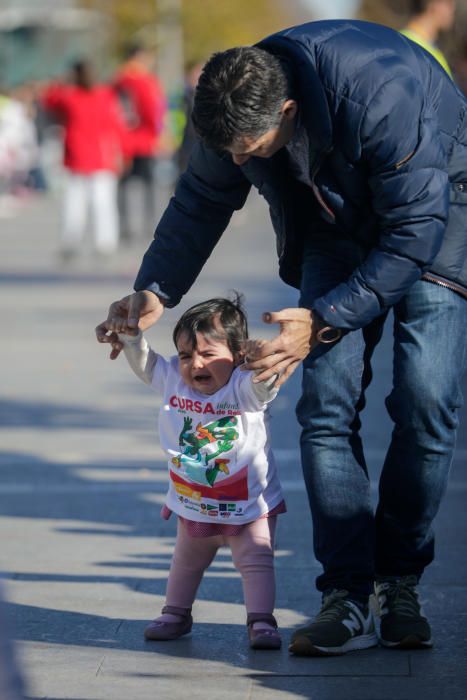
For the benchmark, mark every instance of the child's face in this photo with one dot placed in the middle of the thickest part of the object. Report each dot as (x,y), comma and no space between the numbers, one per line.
(206,367)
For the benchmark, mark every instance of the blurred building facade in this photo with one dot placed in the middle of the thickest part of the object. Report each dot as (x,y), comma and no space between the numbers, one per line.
(41,40)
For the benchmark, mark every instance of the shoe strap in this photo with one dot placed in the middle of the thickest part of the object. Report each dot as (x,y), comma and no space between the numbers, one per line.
(172,610)
(261,617)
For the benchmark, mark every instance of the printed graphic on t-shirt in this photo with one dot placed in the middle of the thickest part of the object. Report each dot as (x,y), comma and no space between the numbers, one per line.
(202,467)
(220,466)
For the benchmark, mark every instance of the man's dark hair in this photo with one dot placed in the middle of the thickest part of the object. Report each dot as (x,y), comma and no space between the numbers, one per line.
(240,93)
(219,318)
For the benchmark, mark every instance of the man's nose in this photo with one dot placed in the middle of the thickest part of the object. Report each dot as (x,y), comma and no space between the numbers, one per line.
(240,160)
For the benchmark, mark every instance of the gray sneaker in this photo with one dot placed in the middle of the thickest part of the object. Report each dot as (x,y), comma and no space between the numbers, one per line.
(402,622)
(341,625)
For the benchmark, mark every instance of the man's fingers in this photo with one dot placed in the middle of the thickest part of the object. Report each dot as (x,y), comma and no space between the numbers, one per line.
(272,316)
(282,378)
(267,370)
(263,349)
(117,316)
(144,309)
(135,306)
(292,314)
(261,363)
(283,370)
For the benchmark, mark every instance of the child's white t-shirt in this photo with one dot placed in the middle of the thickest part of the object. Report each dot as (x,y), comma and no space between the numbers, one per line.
(221,466)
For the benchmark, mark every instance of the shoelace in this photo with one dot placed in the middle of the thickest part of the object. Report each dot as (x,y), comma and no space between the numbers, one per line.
(333,607)
(402,596)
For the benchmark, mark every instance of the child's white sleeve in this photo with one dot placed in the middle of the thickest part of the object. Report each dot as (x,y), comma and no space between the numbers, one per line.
(265,391)
(254,397)
(141,358)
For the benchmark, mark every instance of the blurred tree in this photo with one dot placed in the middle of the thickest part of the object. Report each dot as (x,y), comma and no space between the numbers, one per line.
(230,24)
(393,13)
(208,25)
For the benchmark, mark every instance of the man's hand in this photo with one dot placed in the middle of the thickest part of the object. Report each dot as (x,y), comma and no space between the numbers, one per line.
(282,355)
(134,312)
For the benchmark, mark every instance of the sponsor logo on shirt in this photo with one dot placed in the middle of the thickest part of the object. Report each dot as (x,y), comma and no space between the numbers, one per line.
(221,409)
(227,507)
(185,490)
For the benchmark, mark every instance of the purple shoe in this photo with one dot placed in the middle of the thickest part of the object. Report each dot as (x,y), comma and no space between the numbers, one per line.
(161,631)
(263,638)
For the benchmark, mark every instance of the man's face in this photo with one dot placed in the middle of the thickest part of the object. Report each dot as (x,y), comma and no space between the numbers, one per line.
(268,144)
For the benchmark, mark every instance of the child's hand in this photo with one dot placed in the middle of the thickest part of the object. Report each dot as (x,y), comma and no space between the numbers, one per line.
(117,346)
(251,348)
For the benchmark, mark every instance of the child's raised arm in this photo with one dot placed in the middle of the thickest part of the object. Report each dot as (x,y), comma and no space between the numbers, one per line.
(141,357)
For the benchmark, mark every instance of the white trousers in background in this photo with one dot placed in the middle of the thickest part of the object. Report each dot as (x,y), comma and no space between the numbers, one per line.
(95,194)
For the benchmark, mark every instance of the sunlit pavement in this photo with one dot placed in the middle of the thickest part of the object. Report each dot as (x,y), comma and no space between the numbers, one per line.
(84,551)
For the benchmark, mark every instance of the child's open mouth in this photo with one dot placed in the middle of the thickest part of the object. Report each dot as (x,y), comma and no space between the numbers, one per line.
(202,378)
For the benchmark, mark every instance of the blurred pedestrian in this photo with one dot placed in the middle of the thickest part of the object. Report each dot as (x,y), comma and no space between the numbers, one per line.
(30,177)
(18,149)
(189,137)
(94,143)
(428,19)
(356,138)
(144,105)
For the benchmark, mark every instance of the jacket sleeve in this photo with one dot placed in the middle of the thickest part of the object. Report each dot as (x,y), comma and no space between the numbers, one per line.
(197,215)
(408,186)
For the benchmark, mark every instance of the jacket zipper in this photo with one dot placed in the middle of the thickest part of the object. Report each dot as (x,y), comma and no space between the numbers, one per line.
(321,201)
(315,188)
(445,283)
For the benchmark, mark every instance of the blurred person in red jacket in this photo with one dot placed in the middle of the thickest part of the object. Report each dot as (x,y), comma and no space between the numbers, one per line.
(144,105)
(94,150)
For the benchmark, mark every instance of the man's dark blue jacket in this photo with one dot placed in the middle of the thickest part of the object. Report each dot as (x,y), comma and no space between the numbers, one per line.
(387,131)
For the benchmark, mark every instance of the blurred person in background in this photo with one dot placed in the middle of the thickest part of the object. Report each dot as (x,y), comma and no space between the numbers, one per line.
(356,138)
(8,140)
(19,151)
(94,150)
(428,19)
(189,134)
(37,178)
(144,105)
(31,177)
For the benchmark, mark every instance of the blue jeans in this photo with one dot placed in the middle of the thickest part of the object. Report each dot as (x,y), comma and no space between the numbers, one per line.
(353,543)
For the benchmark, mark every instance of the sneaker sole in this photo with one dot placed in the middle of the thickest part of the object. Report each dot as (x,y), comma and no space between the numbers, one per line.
(409,642)
(302,646)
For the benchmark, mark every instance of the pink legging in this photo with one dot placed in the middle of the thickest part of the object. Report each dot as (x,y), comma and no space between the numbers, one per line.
(252,555)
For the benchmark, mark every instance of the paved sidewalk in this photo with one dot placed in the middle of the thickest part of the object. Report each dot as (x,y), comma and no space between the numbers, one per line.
(84,552)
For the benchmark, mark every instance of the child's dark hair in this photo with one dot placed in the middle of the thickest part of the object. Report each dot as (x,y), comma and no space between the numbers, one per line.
(219,318)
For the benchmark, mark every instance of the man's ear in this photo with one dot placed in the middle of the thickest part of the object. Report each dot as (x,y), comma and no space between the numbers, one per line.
(290,109)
